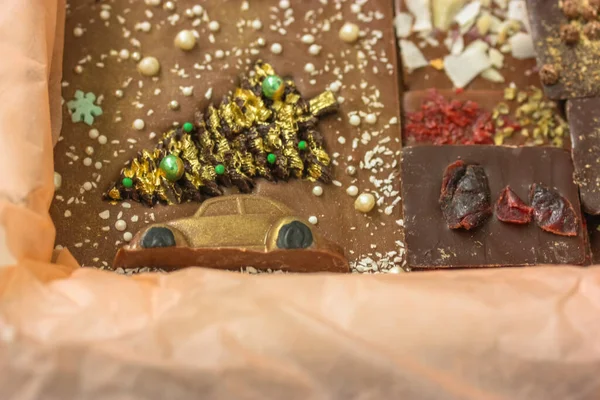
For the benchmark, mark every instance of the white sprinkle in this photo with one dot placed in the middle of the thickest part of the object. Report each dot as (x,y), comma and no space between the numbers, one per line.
(153,2)
(309,67)
(87,186)
(135,218)
(308,39)
(256,24)
(371,118)
(214,26)
(284,4)
(198,10)
(119,93)
(102,139)
(314,49)
(352,190)
(261,42)
(317,191)
(335,86)
(145,26)
(93,134)
(219,54)
(120,225)
(354,120)
(276,48)
(98,165)
(78,69)
(313,220)
(169,6)
(173,105)
(186,90)
(105,14)
(77,31)
(208,93)
(67,213)
(57,180)
(89,150)
(138,124)
(127,236)
(87,161)
(136,56)
(105,214)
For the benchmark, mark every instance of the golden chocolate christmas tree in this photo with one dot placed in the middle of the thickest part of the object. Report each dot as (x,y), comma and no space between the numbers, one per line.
(264,129)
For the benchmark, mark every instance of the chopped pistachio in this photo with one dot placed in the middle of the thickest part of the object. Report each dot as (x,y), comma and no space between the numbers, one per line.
(503,108)
(522,96)
(498,139)
(508,131)
(525,132)
(510,93)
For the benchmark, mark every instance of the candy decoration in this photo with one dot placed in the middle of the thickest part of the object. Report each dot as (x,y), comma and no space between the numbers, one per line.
(271,158)
(127,182)
(83,108)
(188,127)
(220,169)
(273,87)
(302,145)
(173,167)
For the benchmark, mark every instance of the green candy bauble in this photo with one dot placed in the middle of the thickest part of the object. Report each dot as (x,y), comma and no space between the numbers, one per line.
(173,167)
(127,182)
(273,87)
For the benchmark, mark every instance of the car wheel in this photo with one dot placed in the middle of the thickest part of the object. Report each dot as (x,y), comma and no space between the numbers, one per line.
(294,235)
(158,237)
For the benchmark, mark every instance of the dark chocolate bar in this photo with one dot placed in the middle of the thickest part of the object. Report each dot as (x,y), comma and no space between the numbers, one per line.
(431,244)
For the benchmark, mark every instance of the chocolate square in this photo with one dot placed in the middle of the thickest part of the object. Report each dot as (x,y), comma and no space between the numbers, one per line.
(584,124)
(431,244)
(578,65)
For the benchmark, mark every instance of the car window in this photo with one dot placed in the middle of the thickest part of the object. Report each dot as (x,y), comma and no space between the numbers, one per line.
(221,208)
(256,206)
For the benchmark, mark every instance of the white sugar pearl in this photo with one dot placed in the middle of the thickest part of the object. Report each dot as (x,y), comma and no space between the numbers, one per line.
(87,186)
(219,54)
(335,86)
(77,31)
(145,26)
(185,40)
(78,69)
(351,170)
(68,213)
(354,120)
(149,66)
(261,42)
(189,13)
(94,133)
(136,56)
(371,118)
(105,14)
(395,270)
(310,68)
(313,220)
(127,236)
(98,165)
(256,24)
(174,105)
(198,10)
(355,8)
(138,124)
(120,225)
(284,4)
(124,54)
(87,161)
(349,32)
(314,49)
(187,91)
(317,191)
(352,191)
(365,202)
(308,39)
(102,139)
(57,181)
(276,48)
(214,26)
(89,150)
(153,2)
(119,93)
(169,6)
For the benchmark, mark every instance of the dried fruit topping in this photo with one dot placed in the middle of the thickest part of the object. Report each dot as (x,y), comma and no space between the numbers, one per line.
(549,75)
(510,208)
(571,9)
(465,196)
(589,13)
(592,30)
(569,34)
(450,122)
(552,212)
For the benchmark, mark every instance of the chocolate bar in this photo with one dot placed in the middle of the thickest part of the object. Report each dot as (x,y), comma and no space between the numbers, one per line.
(431,244)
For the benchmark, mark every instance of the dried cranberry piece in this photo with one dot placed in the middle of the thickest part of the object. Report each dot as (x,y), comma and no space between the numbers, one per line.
(552,212)
(510,208)
(465,196)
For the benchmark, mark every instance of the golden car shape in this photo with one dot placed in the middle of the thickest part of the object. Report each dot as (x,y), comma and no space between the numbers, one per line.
(231,232)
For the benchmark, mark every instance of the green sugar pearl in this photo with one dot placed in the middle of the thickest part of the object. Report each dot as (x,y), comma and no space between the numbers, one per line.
(187,127)
(173,167)
(127,182)
(271,158)
(272,87)
(220,169)
(302,145)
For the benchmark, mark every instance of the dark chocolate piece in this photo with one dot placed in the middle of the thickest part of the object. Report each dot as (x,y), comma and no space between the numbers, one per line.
(430,244)
(510,208)
(584,124)
(552,212)
(557,39)
(465,196)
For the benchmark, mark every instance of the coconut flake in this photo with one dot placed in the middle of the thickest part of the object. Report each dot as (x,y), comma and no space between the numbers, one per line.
(463,68)
(403,23)
(522,46)
(444,12)
(501,3)
(496,58)
(492,75)
(420,10)
(468,14)
(517,11)
(412,58)
(495,24)
(479,44)
(458,46)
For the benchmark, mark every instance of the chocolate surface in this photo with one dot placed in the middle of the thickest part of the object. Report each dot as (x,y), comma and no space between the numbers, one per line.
(577,63)
(430,244)
(99,58)
(584,123)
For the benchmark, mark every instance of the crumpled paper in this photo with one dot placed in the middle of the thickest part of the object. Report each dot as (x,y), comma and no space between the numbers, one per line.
(73,333)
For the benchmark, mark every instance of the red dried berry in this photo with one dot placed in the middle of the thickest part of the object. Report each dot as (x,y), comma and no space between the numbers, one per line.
(510,208)
(552,212)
